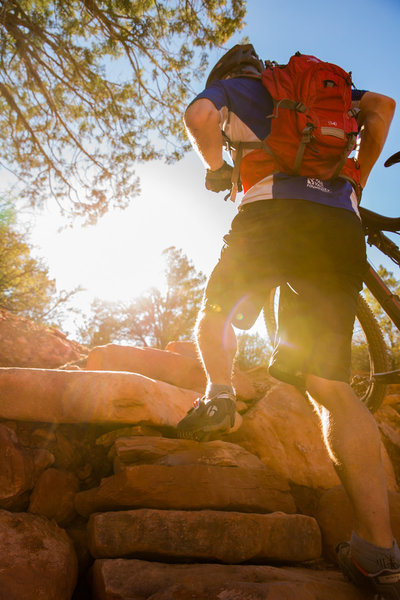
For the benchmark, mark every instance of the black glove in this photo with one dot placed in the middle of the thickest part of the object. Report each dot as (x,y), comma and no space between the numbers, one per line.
(219,180)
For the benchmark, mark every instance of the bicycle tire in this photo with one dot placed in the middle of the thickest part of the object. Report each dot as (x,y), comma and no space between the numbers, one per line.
(370,392)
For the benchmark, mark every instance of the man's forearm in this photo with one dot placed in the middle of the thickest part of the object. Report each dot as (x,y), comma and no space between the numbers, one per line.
(376,113)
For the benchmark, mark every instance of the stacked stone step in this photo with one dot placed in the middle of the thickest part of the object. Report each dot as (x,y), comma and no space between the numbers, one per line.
(121,579)
(176,519)
(213,505)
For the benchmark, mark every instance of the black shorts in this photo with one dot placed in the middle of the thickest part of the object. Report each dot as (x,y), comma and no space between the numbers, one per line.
(316,254)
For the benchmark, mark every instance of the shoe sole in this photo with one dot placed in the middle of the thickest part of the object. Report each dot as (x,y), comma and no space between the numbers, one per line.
(200,435)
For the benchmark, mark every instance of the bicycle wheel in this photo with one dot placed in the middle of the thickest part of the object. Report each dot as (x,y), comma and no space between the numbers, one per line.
(369,351)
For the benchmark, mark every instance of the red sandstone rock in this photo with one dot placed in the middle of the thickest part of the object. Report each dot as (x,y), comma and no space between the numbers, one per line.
(389,425)
(132,431)
(170,367)
(91,397)
(189,487)
(37,559)
(185,348)
(283,430)
(24,343)
(173,452)
(53,496)
(257,377)
(177,369)
(335,517)
(19,466)
(121,579)
(222,473)
(228,537)
(391,399)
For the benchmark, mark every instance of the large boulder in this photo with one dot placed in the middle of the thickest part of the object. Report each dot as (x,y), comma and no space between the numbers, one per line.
(284,432)
(90,397)
(37,559)
(124,579)
(181,370)
(229,537)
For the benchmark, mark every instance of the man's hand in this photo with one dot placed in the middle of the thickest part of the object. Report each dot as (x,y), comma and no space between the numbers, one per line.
(219,180)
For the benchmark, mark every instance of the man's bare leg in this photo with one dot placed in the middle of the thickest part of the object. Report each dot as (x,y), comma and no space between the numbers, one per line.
(352,438)
(217,344)
(350,432)
(216,410)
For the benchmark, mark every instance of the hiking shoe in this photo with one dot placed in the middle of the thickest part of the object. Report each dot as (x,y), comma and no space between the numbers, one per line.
(207,415)
(383,585)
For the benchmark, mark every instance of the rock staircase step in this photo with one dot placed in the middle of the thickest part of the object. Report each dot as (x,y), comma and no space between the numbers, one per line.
(178,369)
(126,579)
(228,537)
(129,451)
(55,396)
(189,487)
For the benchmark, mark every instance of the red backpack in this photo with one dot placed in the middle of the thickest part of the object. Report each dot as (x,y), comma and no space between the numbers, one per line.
(313,125)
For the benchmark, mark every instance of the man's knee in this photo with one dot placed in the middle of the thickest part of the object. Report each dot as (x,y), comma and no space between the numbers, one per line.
(332,394)
(209,319)
(242,315)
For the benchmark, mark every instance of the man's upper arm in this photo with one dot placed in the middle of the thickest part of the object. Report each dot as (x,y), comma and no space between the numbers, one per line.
(200,113)
(372,103)
(374,118)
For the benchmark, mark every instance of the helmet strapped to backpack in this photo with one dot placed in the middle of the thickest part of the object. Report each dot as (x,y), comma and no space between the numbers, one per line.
(234,63)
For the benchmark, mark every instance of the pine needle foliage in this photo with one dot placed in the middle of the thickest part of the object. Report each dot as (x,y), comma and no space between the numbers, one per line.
(90,87)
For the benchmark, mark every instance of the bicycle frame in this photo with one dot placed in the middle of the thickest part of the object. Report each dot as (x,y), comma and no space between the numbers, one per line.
(374,226)
(389,302)
(391,305)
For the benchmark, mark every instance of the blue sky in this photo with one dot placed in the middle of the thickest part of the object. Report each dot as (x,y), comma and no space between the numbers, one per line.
(362,37)
(121,257)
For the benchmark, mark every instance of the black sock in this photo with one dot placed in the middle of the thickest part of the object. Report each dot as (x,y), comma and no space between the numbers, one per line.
(374,558)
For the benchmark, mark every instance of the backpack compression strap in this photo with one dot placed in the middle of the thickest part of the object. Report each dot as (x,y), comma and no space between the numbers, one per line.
(238,147)
(306,138)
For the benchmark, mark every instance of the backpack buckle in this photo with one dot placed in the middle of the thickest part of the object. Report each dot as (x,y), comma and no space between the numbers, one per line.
(307,133)
(300,107)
